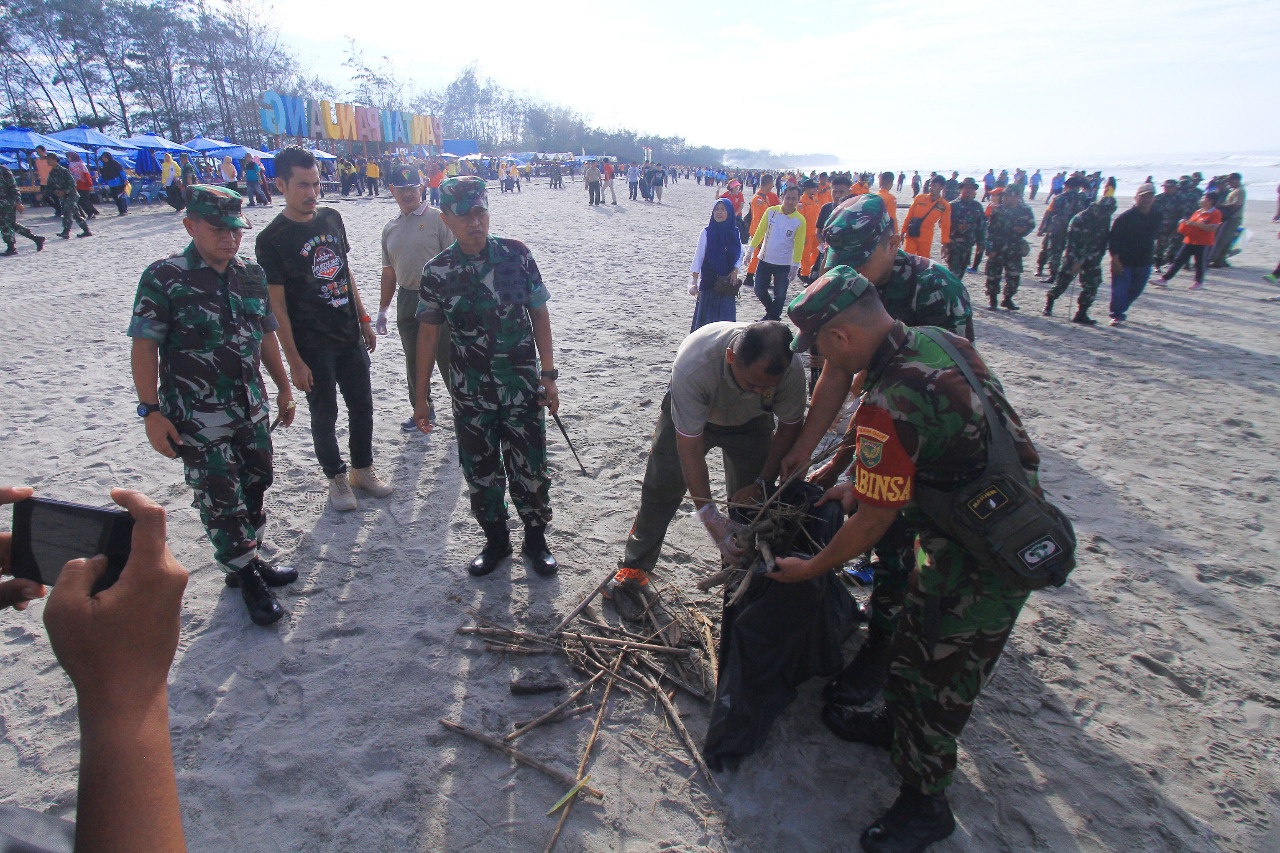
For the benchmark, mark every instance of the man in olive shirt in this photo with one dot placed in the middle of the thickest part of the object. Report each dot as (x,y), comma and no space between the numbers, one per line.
(728,383)
(416,235)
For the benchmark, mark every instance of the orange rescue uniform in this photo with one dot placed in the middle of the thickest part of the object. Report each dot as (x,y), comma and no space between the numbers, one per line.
(809,208)
(891,205)
(933,213)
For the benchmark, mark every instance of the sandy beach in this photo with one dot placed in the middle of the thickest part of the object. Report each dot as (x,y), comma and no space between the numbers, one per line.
(1136,709)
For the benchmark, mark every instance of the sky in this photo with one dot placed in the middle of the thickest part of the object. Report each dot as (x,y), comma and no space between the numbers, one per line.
(868,82)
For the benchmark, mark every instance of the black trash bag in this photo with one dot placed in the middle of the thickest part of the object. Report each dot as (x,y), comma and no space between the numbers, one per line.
(776,637)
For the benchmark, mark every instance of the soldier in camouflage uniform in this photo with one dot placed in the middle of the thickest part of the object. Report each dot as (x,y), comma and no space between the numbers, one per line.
(202,325)
(62,185)
(1054,225)
(919,292)
(489,291)
(920,421)
(1010,224)
(1189,194)
(968,228)
(1166,208)
(1086,245)
(10,207)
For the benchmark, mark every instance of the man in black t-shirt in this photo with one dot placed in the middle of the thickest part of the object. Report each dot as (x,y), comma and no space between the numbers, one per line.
(324,330)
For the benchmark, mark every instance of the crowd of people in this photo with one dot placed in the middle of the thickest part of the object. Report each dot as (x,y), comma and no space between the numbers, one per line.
(875,317)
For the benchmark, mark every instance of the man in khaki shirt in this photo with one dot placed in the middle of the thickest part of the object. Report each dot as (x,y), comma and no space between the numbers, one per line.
(416,235)
(731,385)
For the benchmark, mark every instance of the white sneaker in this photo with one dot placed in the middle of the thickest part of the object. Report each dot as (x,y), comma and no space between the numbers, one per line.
(1116,323)
(366,479)
(340,496)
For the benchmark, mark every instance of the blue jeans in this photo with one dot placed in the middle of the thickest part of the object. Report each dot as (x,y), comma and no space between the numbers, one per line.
(345,369)
(1126,286)
(771,288)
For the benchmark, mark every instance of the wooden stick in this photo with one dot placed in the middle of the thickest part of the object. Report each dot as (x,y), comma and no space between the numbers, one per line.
(554,773)
(653,745)
(582,605)
(493,646)
(564,715)
(674,716)
(630,644)
(537,721)
(712,581)
(484,631)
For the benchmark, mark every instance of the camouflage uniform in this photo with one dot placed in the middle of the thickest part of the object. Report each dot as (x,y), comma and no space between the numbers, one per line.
(493,371)
(1054,227)
(1086,245)
(1166,209)
(61,180)
(210,331)
(9,201)
(920,419)
(968,229)
(1006,247)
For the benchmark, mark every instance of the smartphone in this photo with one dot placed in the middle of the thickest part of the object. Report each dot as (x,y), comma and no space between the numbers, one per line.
(48,533)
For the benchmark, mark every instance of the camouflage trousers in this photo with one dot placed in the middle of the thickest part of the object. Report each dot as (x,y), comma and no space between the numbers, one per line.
(895,559)
(1006,262)
(959,254)
(1051,252)
(1090,281)
(9,225)
(1168,242)
(954,625)
(71,211)
(499,432)
(229,470)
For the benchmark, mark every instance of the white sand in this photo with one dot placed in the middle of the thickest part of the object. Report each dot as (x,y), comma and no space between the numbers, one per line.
(1136,709)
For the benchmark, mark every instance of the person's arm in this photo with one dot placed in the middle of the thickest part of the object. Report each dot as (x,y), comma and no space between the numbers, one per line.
(274,364)
(946,228)
(145,364)
(297,367)
(428,338)
(117,647)
(829,394)
(693,463)
(362,316)
(387,290)
(540,318)
(15,592)
(856,536)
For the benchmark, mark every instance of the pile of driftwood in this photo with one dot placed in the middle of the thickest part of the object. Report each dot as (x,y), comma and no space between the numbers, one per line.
(676,652)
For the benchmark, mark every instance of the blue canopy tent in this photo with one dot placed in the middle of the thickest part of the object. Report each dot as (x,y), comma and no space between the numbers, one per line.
(88,137)
(460,147)
(202,144)
(239,152)
(150,143)
(23,140)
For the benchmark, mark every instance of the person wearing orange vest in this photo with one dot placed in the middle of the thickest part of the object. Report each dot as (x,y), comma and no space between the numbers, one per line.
(890,200)
(809,207)
(824,190)
(860,186)
(927,210)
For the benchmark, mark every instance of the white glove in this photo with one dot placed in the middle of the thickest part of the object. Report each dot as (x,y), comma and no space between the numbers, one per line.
(721,530)
(795,271)
(381,327)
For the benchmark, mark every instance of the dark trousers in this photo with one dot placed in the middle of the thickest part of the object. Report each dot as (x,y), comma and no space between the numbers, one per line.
(372,184)
(1126,287)
(593,193)
(633,187)
(345,369)
(86,202)
(771,288)
(121,199)
(1185,254)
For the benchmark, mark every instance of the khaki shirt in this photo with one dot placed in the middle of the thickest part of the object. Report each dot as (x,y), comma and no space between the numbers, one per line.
(408,242)
(703,390)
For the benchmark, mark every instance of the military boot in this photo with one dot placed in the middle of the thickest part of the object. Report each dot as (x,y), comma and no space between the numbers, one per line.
(497,547)
(11,250)
(865,675)
(1048,305)
(911,824)
(1083,318)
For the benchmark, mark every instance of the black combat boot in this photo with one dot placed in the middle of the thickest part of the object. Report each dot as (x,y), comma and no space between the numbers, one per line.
(497,547)
(11,250)
(536,552)
(865,675)
(273,575)
(911,824)
(1048,305)
(870,727)
(1007,303)
(262,605)
(994,301)
(1083,318)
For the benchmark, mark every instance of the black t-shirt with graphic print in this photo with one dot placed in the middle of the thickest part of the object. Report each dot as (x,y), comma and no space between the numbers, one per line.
(310,260)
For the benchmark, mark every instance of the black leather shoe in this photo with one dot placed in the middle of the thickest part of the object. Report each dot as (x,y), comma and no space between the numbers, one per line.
(1008,305)
(262,605)
(911,824)
(864,677)
(870,727)
(1084,319)
(537,554)
(273,575)
(494,552)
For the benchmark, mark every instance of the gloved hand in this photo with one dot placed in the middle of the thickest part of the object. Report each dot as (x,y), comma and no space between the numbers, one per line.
(721,530)
(381,326)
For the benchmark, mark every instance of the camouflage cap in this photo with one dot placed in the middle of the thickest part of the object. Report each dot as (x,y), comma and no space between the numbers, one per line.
(834,291)
(216,205)
(855,228)
(459,195)
(404,176)
(1106,205)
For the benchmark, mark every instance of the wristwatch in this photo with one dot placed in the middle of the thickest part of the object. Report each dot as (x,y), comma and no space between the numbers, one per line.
(145,409)
(553,375)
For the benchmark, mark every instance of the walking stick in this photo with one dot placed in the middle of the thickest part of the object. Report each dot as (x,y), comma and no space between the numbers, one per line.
(570,443)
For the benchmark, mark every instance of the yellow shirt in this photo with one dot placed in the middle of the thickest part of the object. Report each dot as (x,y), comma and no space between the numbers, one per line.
(371,170)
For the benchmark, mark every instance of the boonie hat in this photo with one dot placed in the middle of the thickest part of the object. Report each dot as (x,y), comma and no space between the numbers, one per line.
(216,205)
(1170,182)
(460,194)
(837,289)
(855,228)
(969,182)
(1147,189)
(404,176)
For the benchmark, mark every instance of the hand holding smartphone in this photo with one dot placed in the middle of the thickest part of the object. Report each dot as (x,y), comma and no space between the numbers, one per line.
(47,534)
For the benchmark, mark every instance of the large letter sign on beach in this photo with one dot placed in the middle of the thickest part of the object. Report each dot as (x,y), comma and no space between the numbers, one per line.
(287,115)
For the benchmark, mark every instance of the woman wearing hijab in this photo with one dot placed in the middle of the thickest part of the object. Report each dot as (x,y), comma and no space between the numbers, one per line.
(715,268)
(171,178)
(84,184)
(113,176)
(228,172)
